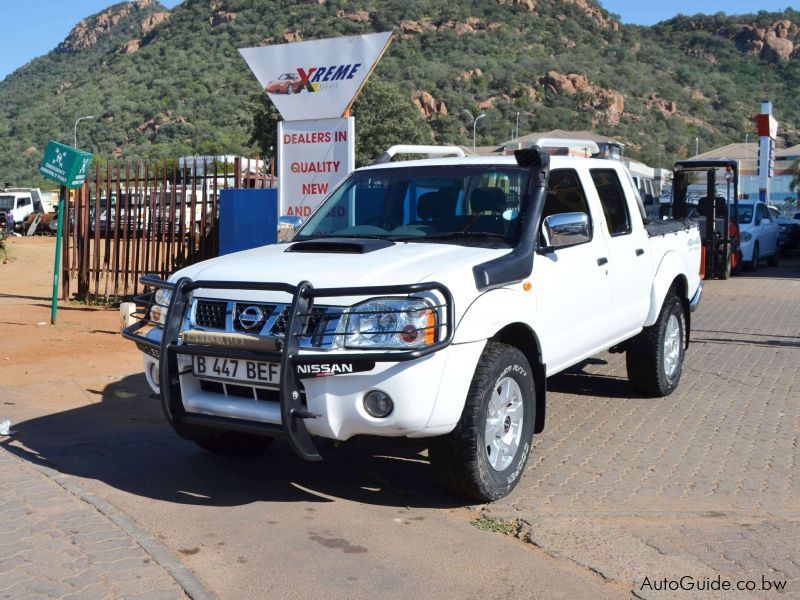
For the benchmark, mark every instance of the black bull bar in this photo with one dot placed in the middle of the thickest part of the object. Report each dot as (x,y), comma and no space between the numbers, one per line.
(287,353)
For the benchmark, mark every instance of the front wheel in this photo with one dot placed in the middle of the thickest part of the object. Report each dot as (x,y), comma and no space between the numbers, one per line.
(654,359)
(484,456)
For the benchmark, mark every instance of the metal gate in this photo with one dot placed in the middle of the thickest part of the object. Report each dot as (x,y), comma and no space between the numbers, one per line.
(147,217)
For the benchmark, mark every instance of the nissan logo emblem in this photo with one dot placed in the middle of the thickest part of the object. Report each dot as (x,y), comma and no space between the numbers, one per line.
(250,317)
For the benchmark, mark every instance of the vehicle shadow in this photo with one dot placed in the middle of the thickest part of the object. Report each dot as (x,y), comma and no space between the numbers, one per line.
(789,268)
(576,380)
(125,442)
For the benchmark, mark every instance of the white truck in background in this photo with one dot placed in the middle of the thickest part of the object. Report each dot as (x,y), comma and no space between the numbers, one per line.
(21,203)
(426,299)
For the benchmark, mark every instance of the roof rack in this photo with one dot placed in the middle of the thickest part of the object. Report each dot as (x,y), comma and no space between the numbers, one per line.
(546,142)
(431,151)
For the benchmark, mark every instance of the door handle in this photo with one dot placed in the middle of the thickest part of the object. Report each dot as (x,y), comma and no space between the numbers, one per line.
(602,261)
(639,251)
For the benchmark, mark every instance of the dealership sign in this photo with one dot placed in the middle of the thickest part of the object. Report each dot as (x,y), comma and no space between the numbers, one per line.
(313,157)
(316,79)
(65,164)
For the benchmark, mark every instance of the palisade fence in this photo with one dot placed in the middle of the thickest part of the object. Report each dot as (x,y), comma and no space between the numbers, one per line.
(132,218)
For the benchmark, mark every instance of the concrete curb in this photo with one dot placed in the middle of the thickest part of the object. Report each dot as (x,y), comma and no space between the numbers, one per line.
(162,555)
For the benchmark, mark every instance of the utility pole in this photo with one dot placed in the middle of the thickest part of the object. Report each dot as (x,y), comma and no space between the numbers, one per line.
(696,146)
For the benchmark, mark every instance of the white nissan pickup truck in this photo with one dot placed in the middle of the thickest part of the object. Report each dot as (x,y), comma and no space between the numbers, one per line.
(427,299)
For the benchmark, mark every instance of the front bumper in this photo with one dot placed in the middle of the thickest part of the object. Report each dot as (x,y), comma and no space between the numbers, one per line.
(299,401)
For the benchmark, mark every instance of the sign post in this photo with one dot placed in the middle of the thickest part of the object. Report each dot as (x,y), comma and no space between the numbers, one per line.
(69,167)
(313,157)
(313,84)
(767,132)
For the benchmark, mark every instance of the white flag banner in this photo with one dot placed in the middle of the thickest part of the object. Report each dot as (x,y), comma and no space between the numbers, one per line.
(317,79)
(313,157)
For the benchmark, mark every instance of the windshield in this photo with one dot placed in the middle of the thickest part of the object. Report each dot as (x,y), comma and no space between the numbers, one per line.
(6,202)
(745,214)
(459,203)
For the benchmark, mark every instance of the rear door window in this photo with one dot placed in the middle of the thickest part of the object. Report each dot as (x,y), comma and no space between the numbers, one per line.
(612,199)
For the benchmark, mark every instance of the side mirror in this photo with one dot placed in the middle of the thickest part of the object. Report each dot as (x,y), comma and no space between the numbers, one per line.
(288,226)
(566,229)
(764,222)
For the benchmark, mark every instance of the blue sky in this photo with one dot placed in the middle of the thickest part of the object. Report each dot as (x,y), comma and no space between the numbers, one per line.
(649,13)
(34,27)
(39,25)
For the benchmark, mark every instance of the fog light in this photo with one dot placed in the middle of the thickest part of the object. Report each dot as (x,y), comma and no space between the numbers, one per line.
(158,314)
(377,404)
(154,374)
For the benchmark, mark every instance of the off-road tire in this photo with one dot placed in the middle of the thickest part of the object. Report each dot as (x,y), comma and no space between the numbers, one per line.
(236,445)
(644,358)
(459,460)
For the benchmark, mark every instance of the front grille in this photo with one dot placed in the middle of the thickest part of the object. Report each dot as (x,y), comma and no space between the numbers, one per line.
(279,329)
(266,311)
(210,314)
(318,329)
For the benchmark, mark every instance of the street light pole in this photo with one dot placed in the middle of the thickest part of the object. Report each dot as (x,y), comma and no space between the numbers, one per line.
(516,129)
(696,146)
(474,124)
(75,130)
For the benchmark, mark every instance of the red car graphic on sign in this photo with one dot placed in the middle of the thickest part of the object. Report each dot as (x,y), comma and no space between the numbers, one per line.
(288,83)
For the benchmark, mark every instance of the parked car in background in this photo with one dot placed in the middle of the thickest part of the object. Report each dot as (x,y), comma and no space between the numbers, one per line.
(19,205)
(789,229)
(759,234)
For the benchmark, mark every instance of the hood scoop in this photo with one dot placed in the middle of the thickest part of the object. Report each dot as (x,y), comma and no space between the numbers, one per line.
(339,246)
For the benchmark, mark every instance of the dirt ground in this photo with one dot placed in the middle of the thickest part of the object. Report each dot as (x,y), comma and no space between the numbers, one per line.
(85,339)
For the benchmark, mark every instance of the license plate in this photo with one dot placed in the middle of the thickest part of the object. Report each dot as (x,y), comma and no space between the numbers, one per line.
(236,370)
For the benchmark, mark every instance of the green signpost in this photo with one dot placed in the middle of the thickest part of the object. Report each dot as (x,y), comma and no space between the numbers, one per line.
(69,167)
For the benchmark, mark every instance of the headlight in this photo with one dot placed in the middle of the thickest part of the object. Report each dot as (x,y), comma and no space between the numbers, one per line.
(388,323)
(161,300)
(746,236)
(163,296)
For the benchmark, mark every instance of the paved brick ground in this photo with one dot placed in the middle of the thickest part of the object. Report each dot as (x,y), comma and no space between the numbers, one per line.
(54,545)
(704,481)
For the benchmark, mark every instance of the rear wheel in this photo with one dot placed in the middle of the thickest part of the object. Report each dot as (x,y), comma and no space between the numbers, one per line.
(236,445)
(654,359)
(483,457)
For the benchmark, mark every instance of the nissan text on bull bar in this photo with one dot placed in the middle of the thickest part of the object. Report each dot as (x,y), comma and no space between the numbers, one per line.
(427,298)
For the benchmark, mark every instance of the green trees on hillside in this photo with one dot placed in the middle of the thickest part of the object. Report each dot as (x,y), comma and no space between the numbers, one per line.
(186,90)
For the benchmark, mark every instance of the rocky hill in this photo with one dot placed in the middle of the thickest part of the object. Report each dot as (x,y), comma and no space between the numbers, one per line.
(167,82)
